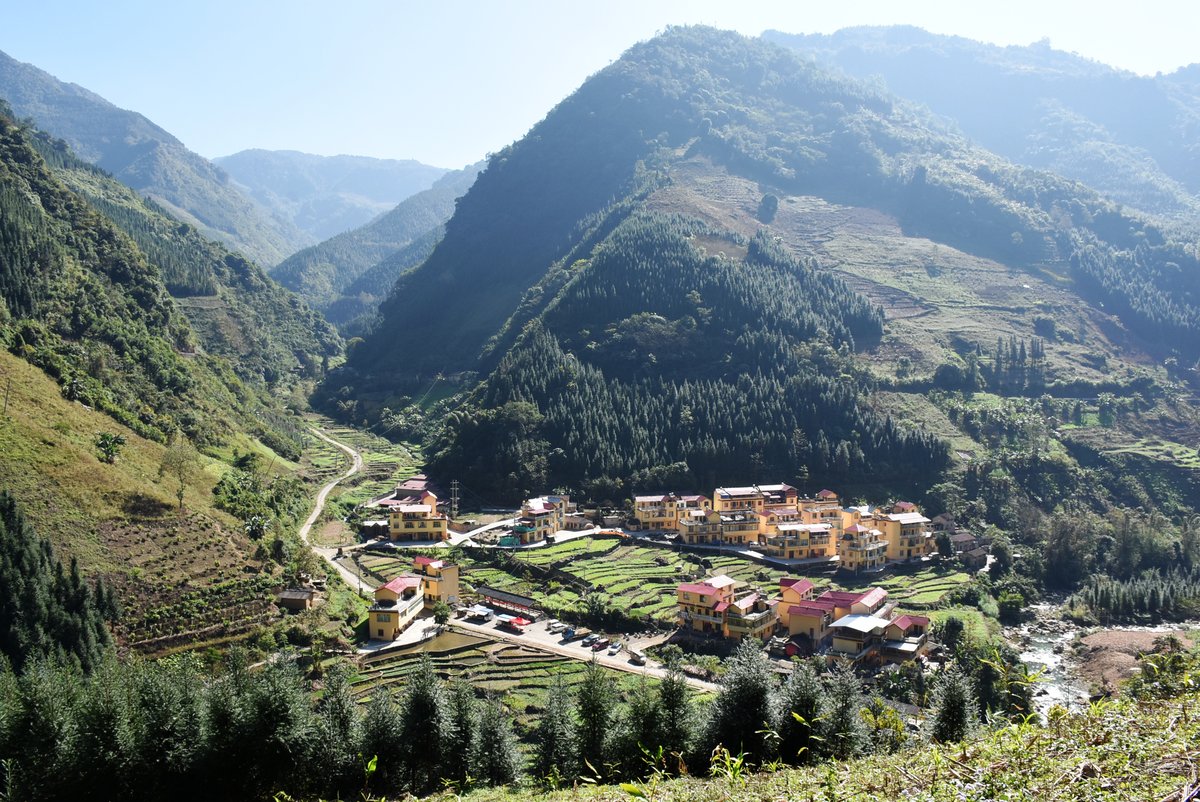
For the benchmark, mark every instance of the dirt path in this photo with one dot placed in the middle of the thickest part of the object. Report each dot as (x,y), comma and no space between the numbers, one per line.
(330,555)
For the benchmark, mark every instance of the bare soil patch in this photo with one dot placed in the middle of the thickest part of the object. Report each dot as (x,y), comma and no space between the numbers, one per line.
(1110,656)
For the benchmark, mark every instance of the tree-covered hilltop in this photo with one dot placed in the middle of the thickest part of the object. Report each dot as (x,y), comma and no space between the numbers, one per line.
(326,195)
(330,275)
(83,302)
(1125,135)
(581,249)
(235,309)
(143,156)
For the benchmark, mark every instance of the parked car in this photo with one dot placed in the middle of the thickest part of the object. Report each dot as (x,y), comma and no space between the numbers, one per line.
(600,644)
(616,647)
(637,658)
(551,624)
(589,640)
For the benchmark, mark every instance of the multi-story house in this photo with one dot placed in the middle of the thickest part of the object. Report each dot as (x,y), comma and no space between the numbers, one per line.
(396,605)
(664,511)
(542,517)
(861,548)
(417,521)
(712,607)
(700,528)
(439,580)
(907,533)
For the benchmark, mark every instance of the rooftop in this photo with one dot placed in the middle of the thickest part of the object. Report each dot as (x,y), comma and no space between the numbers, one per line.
(861,623)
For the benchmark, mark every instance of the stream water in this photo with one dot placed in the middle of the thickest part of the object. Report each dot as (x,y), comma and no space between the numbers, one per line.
(1045,643)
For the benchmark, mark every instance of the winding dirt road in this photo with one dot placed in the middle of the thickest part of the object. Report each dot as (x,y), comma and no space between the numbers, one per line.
(330,555)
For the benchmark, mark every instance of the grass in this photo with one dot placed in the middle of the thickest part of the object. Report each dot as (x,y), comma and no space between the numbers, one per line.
(1111,752)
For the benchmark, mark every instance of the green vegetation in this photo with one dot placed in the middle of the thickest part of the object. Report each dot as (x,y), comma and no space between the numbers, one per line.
(148,159)
(347,275)
(46,613)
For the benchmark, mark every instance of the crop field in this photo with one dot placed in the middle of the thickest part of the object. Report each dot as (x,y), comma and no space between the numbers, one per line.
(639,581)
(518,676)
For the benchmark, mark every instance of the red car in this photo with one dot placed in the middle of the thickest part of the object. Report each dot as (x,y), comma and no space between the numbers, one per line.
(600,644)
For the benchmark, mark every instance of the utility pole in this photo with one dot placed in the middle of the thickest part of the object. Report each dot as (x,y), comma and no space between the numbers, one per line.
(454,500)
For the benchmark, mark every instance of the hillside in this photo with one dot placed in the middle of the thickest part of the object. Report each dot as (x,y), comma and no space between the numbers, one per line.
(143,156)
(323,274)
(1127,136)
(326,195)
(95,346)
(236,311)
(715,253)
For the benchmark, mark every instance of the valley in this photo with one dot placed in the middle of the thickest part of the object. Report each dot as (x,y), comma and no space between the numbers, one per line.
(743,428)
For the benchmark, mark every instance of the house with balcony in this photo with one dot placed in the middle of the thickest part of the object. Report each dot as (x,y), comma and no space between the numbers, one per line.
(416,521)
(396,605)
(861,548)
(663,511)
(712,607)
(907,533)
(541,518)
(698,603)
(905,638)
(800,541)
(700,528)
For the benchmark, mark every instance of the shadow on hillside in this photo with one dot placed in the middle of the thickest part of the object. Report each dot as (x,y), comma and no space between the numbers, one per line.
(140,505)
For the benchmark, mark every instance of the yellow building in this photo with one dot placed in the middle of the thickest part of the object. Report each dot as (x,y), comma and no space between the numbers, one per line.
(738,499)
(542,517)
(420,521)
(712,608)
(801,541)
(396,605)
(700,528)
(698,602)
(861,548)
(439,580)
(907,533)
(663,511)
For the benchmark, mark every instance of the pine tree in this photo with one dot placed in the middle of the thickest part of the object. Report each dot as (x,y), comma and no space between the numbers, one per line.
(465,744)
(381,741)
(845,732)
(426,728)
(556,757)
(595,705)
(954,704)
(743,711)
(802,715)
(499,762)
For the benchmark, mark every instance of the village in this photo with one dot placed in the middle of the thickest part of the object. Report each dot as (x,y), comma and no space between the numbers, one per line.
(775,525)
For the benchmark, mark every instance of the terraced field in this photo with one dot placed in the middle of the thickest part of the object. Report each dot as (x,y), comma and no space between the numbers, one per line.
(520,677)
(640,580)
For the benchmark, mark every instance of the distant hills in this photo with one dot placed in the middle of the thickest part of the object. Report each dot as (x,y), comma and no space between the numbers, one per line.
(347,275)
(1131,137)
(326,195)
(719,261)
(143,156)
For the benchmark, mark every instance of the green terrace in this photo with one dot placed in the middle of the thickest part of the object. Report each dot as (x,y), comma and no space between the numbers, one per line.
(638,581)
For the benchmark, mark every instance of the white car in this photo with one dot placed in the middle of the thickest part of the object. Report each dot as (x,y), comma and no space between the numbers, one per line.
(616,647)
(554,625)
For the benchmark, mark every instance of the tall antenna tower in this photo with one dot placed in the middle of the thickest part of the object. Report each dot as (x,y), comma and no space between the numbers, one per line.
(454,500)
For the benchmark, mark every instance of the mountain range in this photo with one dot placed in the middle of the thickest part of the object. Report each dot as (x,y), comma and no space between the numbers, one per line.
(326,195)
(717,258)
(1131,137)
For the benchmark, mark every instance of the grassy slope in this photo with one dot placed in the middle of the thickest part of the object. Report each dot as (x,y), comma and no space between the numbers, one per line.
(191,576)
(1118,751)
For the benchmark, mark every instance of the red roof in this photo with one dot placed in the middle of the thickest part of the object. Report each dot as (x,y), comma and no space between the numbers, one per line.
(431,562)
(904,622)
(811,608)
(842,598)
(722,607)
(856,528)
(703,590)
(403,582)
(799,585)
(826,494)
(873,597)
(746,601)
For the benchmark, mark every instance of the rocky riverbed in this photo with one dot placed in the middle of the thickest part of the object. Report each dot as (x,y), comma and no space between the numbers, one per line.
(1081,662)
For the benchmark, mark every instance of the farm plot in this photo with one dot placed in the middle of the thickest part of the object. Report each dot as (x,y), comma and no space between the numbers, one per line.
(518,676)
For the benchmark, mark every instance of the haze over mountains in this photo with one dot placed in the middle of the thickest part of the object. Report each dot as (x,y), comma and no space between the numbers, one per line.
(1132,137)
(326,195)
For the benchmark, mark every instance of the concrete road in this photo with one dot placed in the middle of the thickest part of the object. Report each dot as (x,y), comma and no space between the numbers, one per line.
(330,555)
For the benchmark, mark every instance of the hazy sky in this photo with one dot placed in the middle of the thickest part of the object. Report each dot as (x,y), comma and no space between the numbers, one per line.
(445,81)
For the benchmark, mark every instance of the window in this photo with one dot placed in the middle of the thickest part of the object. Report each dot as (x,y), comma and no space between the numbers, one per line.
(384,618)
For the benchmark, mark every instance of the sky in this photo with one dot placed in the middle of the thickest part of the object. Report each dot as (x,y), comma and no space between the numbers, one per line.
(446,82)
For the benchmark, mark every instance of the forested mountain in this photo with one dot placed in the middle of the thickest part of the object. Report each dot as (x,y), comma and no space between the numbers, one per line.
(719,261)
(326,195)
(110,388)
(1128,136)
(143,156)
(324,273)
